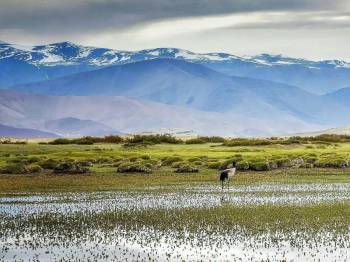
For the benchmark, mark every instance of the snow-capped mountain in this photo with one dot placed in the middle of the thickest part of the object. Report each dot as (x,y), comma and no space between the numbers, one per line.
(22,64)
(68,53)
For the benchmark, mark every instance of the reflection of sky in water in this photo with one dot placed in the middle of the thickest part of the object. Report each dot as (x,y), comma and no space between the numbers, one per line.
(147,244)
(175,197)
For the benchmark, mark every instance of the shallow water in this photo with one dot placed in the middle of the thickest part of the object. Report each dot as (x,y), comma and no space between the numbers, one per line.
(199,196)
(144,243)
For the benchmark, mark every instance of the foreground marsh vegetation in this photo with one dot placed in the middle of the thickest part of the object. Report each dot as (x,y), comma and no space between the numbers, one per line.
(129,201)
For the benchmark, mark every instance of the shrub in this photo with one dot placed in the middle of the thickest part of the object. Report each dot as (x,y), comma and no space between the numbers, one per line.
(205,139)
(310,159)
(70,168)
(137,145)
(242,165)
(154,162)
(49,163)
(283,162)
(113,139)
(333,163)
(154,139)
(33,159)
(85,163)
(61,141)
(136,167)
(177,164)
(297,162)
(186,169)
(248,142)
(260,166)
(307,165)
(103,160)
(195,141)
(33,168)
(15,168)
(117,164)
(229,162)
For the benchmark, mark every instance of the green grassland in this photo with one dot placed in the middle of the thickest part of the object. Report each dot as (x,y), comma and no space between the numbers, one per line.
(122,173)
(31,167)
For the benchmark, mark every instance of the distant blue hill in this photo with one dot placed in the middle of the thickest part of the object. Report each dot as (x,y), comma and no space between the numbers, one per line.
(9,131)
(341,96)
(63,114)
(23,64)
(181,83)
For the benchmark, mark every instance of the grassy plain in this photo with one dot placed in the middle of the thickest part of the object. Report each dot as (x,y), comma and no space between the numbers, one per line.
(104,175)
(288,216)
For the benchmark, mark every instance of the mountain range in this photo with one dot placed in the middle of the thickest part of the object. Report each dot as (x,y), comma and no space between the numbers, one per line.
(71,90)
(23,64)
(130,115)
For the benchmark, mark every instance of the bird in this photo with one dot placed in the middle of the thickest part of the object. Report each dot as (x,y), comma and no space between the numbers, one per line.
(227,174)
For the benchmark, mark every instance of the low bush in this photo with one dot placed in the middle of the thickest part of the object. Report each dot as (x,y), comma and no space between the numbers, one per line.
(85,163)
(61,141)
(34,168)
(321,139)
(70,168)
(113,139)
(87,140)
(14,168)
(260,166)
(33,159)
(178,164)
(297,162)
(48,163)
(193,141)
(155,163)
(242,165)
(205,139)
(136,167)
(283,162)
(333,163)
(187,169)
(153,139)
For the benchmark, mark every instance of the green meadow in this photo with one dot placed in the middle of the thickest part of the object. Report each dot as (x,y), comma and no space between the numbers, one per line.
(163,201)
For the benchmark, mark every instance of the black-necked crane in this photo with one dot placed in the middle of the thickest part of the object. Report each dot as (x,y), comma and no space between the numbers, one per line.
(227,174)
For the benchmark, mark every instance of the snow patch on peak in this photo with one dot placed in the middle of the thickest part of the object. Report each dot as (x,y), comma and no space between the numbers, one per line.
(338,63)
(22,47)
(65,43)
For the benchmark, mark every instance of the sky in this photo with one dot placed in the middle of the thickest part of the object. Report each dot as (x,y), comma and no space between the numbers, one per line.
(313,29)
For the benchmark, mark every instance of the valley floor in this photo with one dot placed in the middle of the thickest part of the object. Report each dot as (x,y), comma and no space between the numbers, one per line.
(293,213)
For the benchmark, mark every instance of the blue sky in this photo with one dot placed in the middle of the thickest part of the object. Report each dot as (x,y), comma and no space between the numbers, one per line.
(316,29)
